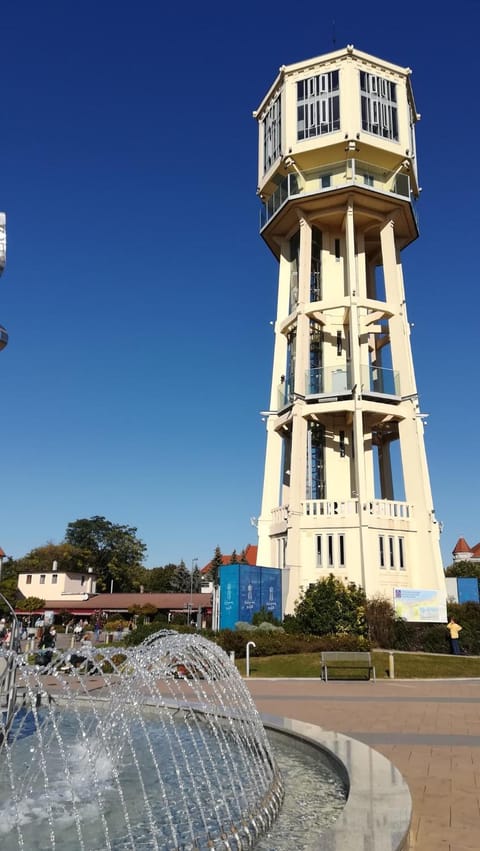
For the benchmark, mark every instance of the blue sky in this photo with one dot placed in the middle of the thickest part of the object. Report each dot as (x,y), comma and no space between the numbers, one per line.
(138,293)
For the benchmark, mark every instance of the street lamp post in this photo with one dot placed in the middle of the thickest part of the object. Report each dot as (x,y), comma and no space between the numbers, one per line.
(190,605)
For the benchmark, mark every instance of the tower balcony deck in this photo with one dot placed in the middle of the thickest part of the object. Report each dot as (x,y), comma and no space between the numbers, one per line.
(332,381)
(345,512)
(340,175)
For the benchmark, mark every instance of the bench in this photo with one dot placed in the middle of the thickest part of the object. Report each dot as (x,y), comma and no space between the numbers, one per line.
(355,664)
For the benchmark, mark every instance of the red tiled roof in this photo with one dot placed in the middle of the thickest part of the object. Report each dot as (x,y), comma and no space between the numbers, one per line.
(461,547)
(250,552)
(476,550)
(124,602)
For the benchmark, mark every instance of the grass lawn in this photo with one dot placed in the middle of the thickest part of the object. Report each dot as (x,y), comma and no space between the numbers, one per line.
(407,665)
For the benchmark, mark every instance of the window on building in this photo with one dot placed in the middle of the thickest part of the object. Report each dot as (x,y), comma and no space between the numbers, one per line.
(341,550)
(368,179)
(272,134)
(316,485)
(54,578)
(401,554)
(29,579)
(381,546)
(82,581)
(316,266)
(391,552)
(342,444)
(281,551)
(319,550)
(330,550)
(318,105)
(326,181)
(379,106)
(339,344)
(42,579)
(337,249)
(294,263)
(315,384)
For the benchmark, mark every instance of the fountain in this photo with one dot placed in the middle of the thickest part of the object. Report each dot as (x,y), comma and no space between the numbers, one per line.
(161,747)
(156,747)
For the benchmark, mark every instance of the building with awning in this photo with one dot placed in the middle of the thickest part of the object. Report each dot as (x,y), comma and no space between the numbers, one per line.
(195,606)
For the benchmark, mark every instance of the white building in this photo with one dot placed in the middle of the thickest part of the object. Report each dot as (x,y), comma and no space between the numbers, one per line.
(57,585)
(346,486)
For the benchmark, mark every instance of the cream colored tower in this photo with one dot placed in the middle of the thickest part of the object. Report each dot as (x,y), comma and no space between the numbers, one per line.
(346,487)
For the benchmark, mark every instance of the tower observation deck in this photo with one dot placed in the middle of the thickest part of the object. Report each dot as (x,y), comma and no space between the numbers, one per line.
(346,484)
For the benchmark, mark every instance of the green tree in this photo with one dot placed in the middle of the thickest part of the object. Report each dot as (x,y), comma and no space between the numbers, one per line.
(159,579)
(180,583)
(9,581)
(466,569)
(196,580)
(215,565)
(69,558)
(114,551)
(31,604)
(329,607)
(234,558)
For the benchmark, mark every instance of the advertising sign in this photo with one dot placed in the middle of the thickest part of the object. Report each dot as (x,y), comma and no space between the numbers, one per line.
(420,605)
(229,596)
(249,592)
(271,590)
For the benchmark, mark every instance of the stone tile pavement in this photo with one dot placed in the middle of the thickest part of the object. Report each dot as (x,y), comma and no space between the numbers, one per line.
(429,729)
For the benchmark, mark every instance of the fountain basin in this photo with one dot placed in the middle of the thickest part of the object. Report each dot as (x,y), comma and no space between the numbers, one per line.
(378,810)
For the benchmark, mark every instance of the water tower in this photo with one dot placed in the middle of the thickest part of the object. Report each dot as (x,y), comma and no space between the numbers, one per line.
(346,485)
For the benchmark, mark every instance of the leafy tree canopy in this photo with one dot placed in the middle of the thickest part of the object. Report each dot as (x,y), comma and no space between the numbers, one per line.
(158,579)
(69,558)
(467,569)
(329,607)
(114,550)
(31,604)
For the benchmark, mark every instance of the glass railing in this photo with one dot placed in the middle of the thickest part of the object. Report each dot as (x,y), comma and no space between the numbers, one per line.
(376,379)
(285,395)
(334,381)
(349,172)
(328,380)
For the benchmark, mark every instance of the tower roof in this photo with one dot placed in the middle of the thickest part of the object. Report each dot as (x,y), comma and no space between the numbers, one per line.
(461,547)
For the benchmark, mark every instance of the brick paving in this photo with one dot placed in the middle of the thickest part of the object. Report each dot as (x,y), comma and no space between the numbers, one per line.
(429,729)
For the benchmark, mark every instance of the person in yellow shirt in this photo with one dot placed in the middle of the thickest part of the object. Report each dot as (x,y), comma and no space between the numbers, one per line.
(454,630)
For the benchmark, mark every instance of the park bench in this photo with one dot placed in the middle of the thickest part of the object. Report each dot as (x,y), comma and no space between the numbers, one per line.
(344,665)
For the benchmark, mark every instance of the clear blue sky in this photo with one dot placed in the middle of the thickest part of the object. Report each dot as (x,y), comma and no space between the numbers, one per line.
(138,293)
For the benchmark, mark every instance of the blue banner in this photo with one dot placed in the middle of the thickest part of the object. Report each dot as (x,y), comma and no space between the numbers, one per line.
(250,591)
(271,591)
(229,594)
(467,590)
(245,589)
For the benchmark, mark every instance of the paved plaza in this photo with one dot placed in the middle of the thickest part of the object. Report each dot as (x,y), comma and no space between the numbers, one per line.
(430,729)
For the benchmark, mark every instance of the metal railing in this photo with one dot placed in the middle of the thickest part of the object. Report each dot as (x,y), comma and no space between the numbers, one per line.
(350,172)
(9,661)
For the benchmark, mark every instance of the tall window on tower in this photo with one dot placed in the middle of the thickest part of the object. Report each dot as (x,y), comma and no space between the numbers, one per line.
(294,263)
(314,381)
(318,105)
(272,131)
(316,461)
(379,106)
(291,358)
(316,266)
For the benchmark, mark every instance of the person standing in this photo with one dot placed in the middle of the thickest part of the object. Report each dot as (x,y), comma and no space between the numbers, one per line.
(454,629)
